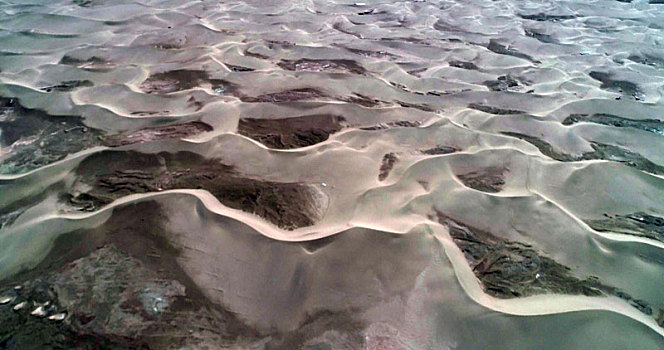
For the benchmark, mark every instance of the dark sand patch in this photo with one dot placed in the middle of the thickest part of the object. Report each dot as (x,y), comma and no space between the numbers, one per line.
(287,133)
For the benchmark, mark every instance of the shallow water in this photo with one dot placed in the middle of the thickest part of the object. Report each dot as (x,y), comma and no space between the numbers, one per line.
(332,174)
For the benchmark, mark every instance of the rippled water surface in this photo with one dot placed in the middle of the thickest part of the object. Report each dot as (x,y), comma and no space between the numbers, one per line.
(315,174)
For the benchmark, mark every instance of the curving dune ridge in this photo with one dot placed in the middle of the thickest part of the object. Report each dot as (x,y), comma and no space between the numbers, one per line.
(311,174)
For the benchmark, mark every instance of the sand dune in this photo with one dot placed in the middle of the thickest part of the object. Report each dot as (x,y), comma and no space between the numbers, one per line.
(331,174)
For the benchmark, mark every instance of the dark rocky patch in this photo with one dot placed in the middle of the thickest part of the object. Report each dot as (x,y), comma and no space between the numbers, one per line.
(68,85)
(647,59)
(87,3)
(439,150)
(543,38)
(183,79)
(255,55)
(347,328)
(7,217)
(13,209)
(93,63)
(119,286)
(20,330)
(111,175)
(494,110)
(395,124)
(293,132)
(509,269)
(364,101)
(443,93)
(150,113)
(173,45)
(464,65)
(544,17)
(626,88)
(600,151)
(655,126)
(445,26)
(503,83)
(656,2)
(174,131)
(637,224)
(417,72)
(372,54)
(340,27)
(311,65)
(175,80)
(545,147)
(503,49)
(389,160)
(489,180)
(422,107)
(37,138)
(286,96)
(235,68)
